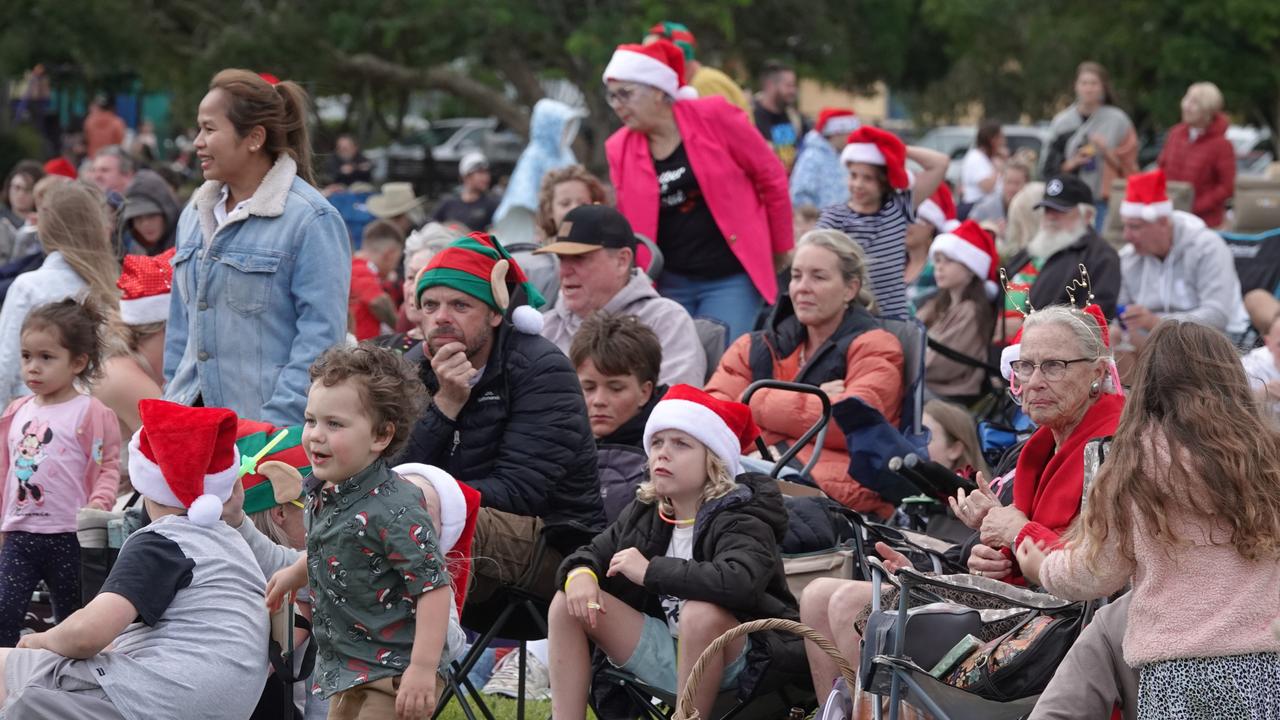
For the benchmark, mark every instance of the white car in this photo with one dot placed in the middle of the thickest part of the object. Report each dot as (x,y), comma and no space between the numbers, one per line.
(955,140)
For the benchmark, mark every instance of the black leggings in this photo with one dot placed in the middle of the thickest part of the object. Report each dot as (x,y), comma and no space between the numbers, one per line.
(26,559)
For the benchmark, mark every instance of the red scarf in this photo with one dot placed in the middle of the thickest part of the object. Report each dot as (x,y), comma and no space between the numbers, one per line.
(1048,483)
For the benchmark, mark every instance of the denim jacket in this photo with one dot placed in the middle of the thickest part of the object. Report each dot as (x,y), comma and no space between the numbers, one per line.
(256,301)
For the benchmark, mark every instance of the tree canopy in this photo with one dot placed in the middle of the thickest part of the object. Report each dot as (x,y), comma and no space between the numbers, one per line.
(1011,57)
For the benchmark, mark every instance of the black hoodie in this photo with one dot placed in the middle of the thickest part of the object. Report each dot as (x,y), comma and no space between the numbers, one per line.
(148,187)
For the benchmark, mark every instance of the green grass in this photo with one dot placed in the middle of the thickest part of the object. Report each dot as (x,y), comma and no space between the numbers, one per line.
(505,709)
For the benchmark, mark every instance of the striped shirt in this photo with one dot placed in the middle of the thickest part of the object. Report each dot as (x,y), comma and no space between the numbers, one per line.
(883,235)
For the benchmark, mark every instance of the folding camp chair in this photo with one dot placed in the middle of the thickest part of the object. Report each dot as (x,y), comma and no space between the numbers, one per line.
(909,682)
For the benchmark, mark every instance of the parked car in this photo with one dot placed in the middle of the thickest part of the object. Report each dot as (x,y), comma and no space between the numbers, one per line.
(429,158)
(955,140)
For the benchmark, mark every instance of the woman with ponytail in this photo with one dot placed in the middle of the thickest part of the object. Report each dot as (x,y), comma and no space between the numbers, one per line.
(263,261)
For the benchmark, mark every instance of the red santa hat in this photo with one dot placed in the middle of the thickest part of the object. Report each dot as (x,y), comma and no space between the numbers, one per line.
(725,427)
(1010,354)
(1145,197)
(975,248)
(185,457)
(837,121)
(939,210)
(874,146)
(659,64)
(459,507)
(145,284)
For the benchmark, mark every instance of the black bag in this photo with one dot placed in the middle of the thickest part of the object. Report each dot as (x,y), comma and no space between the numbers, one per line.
(1021,662)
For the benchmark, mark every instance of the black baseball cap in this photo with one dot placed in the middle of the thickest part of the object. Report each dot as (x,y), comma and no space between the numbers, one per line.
(1064,192)
(588,228)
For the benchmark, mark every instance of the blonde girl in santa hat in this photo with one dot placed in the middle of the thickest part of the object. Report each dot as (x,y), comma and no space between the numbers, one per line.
(883,198)
(961,315)
(694,555)
(696,176)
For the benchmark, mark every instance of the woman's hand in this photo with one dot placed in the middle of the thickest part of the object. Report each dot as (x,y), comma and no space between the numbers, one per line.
(1001,526)
(892,559)
(1030,558)
(973,507)
(988,562)
(630,564)
(583,596)
(833,388)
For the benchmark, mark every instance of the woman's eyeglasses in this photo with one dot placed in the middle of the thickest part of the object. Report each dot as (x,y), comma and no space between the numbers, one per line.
(1051,369)
(621,96)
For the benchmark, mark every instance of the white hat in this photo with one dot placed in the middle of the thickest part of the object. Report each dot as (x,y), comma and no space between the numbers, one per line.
(472,162)
(658,64)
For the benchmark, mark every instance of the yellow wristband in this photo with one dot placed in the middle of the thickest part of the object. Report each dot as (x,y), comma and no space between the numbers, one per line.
(580,571)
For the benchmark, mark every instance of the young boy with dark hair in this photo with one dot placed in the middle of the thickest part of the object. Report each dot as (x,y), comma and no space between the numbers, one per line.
(178,629)
(379,585)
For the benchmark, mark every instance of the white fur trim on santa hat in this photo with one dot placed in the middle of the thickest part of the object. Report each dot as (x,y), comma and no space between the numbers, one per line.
(1147,212)
(862,153)
(963,252)
(701,422)
(1007,357)
(145,310)
(932,214)
(453,506)
(631,66)
(841,125)
(147,478)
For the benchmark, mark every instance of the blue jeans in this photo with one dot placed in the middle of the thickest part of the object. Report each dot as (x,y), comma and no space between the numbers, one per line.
(1100,219)
(731,300)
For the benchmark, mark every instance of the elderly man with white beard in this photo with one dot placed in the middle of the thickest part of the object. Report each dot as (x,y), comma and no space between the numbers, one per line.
(1052,259)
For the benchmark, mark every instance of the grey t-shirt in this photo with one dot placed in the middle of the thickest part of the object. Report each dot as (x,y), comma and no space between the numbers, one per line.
(202,655)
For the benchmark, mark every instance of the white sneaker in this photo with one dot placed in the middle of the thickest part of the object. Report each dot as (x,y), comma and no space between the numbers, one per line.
(506,678)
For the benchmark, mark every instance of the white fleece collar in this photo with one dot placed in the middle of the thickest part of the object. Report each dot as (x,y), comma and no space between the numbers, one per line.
(267,201)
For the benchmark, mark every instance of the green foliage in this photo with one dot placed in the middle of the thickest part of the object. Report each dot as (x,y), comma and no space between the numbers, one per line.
(1014,57)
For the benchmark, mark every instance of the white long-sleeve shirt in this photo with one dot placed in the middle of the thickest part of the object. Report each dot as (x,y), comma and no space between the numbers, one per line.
(54,280)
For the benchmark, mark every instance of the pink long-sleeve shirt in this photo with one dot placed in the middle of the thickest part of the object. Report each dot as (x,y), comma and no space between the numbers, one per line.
(1199,598)
(78,445)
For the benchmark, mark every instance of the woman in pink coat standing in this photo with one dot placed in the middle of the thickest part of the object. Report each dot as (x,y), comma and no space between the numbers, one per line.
(696,176)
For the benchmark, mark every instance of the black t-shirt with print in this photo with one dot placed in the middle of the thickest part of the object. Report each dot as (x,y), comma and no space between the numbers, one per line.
(688,236)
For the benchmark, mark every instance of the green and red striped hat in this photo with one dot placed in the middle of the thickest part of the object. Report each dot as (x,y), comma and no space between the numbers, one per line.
(479,266)
(677,34)
(251,438)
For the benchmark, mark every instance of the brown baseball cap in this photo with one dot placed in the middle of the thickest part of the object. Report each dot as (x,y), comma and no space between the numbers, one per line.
(588,228)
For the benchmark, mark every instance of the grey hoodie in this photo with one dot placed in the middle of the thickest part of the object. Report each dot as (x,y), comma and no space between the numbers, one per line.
(1197,281)
(683,360)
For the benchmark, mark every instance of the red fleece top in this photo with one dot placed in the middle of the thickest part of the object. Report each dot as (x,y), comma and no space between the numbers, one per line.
(1048,484)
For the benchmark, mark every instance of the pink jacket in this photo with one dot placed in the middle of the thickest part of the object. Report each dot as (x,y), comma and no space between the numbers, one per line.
(743,181)
(1197,599)
(99,436)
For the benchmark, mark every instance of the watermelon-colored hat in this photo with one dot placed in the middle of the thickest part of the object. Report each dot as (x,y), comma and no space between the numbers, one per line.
(272,464)
(678,35)
(479,266)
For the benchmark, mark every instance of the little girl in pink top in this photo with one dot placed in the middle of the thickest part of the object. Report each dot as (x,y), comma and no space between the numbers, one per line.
(59,451)
(1187,508)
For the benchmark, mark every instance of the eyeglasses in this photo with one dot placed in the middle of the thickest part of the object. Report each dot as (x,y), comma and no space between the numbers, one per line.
(1051,369)
(621,96)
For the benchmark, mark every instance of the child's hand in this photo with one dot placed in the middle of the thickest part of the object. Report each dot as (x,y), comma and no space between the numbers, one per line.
(1030,558)
(233,508)
(290,579)
(630,564)
(416,698)
(33,641)
(583,597)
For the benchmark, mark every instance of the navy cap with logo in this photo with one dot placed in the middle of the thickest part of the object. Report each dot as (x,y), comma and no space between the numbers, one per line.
(588,228)
(1064,192)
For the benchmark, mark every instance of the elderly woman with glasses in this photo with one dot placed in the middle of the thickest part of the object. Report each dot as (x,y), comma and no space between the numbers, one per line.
(696,177)
(1063,373)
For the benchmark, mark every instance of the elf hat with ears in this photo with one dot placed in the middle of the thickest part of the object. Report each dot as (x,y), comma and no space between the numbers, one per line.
(481,267)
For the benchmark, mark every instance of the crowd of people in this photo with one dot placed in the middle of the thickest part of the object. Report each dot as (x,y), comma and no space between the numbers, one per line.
(397,433)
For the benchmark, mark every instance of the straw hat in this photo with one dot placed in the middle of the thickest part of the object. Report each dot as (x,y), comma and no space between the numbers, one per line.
(396,199)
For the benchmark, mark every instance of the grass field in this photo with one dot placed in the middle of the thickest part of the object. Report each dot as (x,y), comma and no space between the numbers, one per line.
(505,709)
